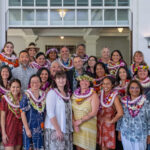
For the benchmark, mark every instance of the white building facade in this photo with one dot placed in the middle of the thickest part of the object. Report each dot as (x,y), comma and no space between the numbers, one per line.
(73,15)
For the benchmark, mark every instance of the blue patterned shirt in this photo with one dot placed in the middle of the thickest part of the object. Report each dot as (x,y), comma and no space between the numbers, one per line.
(137,128)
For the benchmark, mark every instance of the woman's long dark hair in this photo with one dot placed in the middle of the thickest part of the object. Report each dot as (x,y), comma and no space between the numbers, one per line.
(118,77)
(10,74)
(88,67)
(138,83)
(40,71)
(60,74)
(103,66)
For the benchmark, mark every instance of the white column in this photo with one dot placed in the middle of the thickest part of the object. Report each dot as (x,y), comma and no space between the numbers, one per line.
(2,23)
(141,27)
(91,42)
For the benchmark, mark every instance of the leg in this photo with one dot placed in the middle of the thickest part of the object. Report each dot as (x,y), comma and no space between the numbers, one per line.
(18,147)
(9,148)
(79,148)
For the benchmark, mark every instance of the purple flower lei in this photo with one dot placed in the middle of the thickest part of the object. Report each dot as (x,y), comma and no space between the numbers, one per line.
(44,87)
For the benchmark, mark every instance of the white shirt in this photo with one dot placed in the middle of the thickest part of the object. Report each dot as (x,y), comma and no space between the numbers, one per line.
(55,107)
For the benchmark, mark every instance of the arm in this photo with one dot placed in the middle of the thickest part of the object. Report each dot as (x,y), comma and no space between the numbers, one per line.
(119,110)
(95,106)
(4,135)
(25,123)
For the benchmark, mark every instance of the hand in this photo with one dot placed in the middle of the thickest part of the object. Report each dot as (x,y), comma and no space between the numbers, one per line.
(59,135)
(119,136)
(28,132)
(148,139)
(76,128)
(77,122)
(108,121)
(5,138)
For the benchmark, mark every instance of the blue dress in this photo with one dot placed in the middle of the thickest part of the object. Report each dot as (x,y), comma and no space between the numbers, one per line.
(35,120)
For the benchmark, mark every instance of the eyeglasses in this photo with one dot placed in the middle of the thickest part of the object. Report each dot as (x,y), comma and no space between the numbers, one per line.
(136,88)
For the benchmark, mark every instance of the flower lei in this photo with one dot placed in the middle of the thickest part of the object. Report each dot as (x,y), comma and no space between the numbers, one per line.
(108,101)
(123,87)
(80,97)
(145,83)
(66,98)
(15,109)
(85,58)
(141,67)
(112,65)
(11,61)
(45,86)
(70,64)
(37,66)
(3,90)
(135,105)
(37,104)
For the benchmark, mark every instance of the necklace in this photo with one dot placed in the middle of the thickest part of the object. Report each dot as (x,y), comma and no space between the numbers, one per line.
(38,104)
(145,83)
(13,107)
(119,87)
(108,101)
(112,65)
(45,86)
(80,97)
(70,64)
(13,57)
(66,98)
(135,105)
(37,66)
(3,90)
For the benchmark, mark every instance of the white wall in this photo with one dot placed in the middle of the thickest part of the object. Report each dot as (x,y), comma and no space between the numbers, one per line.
(141,26)
(2,24)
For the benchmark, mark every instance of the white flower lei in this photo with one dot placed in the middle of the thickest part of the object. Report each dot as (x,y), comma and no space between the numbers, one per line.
(66,67)
(63,97)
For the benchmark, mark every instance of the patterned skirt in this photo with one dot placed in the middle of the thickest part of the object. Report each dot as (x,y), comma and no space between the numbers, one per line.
(52,143)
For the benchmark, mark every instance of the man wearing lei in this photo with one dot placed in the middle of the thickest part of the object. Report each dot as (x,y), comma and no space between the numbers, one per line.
(65,61)
(85,106)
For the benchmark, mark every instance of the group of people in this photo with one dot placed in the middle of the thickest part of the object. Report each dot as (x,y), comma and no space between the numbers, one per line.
(55,101)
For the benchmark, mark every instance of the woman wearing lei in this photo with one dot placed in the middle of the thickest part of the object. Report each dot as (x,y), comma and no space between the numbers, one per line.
(65,61)
(8,56)
(32,108)
(116,62)
(44,74)
(142,75)
(92,60)
(85,104)
(5,76)
(58,121)
(138,58)
(40,61)
(134,126)
(100,71)
(11,123)
(110,111)
(51,55)
(122,79)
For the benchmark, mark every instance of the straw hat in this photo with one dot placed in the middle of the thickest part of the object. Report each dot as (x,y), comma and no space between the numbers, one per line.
(32,45)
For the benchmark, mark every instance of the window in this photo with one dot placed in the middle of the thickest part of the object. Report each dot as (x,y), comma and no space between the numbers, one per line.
(123,2)
(109,17)
(122,17)
(82,2)
(15,17)
(69,18)
(41,2)
(41,17)
(82,17)
(69,2)
(55,2)
(28,17)
(55,18)
(96,2)
(110,2)
(96,17)
(14,2)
